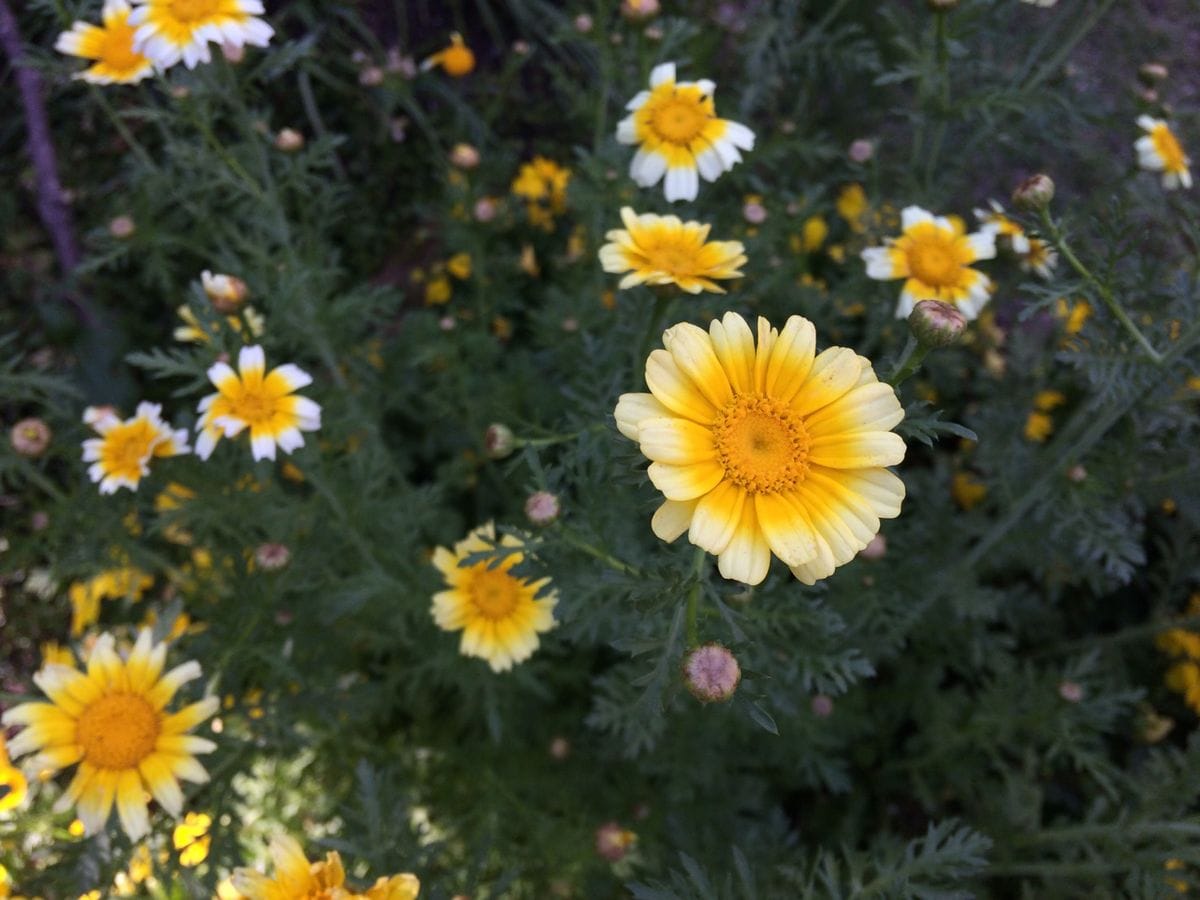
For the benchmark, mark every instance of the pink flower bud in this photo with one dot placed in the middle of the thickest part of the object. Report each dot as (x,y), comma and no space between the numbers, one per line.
(1071,691)
(936,324)
(861,150)
(1034,193)
(754,213)
(289,140)
(613,841)
(822,706)
(272,557)
(122,227)
(542,508)
(498,441)
(30,437)
(711,673)
(464,156)
(876,548)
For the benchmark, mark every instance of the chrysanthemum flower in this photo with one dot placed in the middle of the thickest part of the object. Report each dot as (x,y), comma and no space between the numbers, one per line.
(193,331)
(110,45)
(261,401)
(1159,150)
(499,614)
(999,224)
(13,785)
(679,135)
(542,184)
(192,840)
(112,721)
(774,449)
(171,30)
(120,457)
(1040,258)
(296,878)
(934,255)
(111,584)
(456,60)
(663,250)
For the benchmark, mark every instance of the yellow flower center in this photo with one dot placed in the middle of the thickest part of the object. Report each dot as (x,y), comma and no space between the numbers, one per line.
(118,731)
(117,50)
(126,446)
(193,10)
(674,254)
(253,406)
(678,120)
(494,593)
(1169,149)
(762,444)
(932,260)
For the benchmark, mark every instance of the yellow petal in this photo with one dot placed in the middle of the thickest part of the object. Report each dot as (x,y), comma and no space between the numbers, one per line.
(786,527)
(717,516)
(685,482)
(671,387)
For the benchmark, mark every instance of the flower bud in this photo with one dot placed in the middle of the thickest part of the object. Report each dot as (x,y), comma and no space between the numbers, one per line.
(560,748)
(233,53)
(583,23)
(654,33)
(639,10)
(861,150)
(1034,193)
(936,324)
(521,48)
(272,557)
(371,76)
(876,548)
(711,673)
(941,5)
(464,156)
(1152,73)
(1077,473)
(485,209)
(613,841)
(542,508)
(754,212)
(289,140)
(1071,691)
(225,292)
(122,227)
(39,521)
(30,437)
(499,441)
(822,706)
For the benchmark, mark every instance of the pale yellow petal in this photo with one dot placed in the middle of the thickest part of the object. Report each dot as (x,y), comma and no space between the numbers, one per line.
(673,518)
(671,387)
(786,527)
(717,516)
(685,482)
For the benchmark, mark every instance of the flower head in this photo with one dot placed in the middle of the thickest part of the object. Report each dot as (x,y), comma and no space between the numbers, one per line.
(663,250)
(109,45)
(679,136)
(499,614)
(999,224)
(196,332)
(192,840)
(263,402)
(111,584)
(225,292)
(711,673)
(171,30)
(295,878)
(542,183)
(120,457)
(1039,259)
(30,437)
(456,60)
(934,255)
(1159,150)
(112,721)
(764,450)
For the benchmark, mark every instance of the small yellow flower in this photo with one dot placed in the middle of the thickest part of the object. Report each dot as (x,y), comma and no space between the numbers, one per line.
(499,614)
(852,206)
(111,584)
(459,265)
(192,839)
(934,256)
(296,878)
(1159,150)
(1038,427)
(121,456)
(193,331)
(967,490)
(814,233)
(13,786)
(998,223)
(1073,315)
(542,184)
(660,250)
(1046,401)
(110,46)
(171,30)
(456,60)
(438,290)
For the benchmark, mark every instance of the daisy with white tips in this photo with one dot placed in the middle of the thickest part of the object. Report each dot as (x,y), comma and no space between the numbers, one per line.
(121,456)
(172,30)
(1159,150)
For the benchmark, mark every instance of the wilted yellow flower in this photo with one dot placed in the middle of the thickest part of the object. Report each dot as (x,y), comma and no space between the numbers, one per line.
(813,234)
(1073,315)
(1038,427)
(438,290)
(852,206)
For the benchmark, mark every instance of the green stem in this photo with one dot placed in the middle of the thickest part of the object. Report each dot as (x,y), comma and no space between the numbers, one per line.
(1055,234)
(693,601)
(662,302)
(313,113)
(348,524)
(37,478)
(608,559)
(558,438)
(910,361)
(126,135)
(226,157)
(942,109)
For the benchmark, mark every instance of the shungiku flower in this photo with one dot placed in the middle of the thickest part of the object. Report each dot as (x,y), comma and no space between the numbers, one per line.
(1041,258)
(999,224)
(112,721)
(171,30)
(934,255)
(296,878)
(110,45)
(764,450)
(499,614)
(679,136)
(456,60)
(1159,150)
(664,250)
(120,457)
(263,402)
(542,183)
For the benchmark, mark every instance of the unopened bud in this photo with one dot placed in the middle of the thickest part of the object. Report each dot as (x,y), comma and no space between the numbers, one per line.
(560,748)
(464,156)
(272,557)
(754,212)
(40,520)
(936,324)
(233,53)
(639,10)
(521,48)
(711,673)
(30,437)
(613,841)
(876,548)
(1152,73)
(225,292)
(1034,193)
(583,23)
(861,150)
(822,706)
(122,227)
(371,76)
(289,140)
(485,209)
(654,33)
(1071,691)
(542,508)
(1077,473)
(499,441)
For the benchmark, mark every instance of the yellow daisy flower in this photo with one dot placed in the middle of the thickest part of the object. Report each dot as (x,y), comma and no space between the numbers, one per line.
(110,45)
(261,401)
(664,250)
(1159,150)
(111,584)
(542,183)
(999,224)
(296,878)
(112,721)
(171,30)
(13,786)
(934,255)
(121,456)
(1040,258)
(679,136)
(499,614)
(456,60)
(192,840)
(770,450)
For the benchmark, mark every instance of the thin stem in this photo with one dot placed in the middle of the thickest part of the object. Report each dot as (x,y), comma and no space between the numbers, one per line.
(910,361)
(608,559)
(942,55)
(693,601)
(126,135)
(226,157)
(558,438)
(1055,234)
(662,302)
(313,113)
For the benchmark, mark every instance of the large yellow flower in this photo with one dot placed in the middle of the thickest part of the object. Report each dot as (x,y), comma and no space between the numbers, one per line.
(775,449)
(679,135)
(171,30)
(112,721)
(296,878)
(934,254)
(1159,150)
(499,614)
(111,46)
(261,401)
(664,250)
(121,456)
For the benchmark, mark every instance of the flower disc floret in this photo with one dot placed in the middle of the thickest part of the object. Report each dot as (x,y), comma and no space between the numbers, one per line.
(171,30)
(664,250)
(112,721)
(767,448)
(679,136)
(934,255)
(110,46)
(1159,150)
